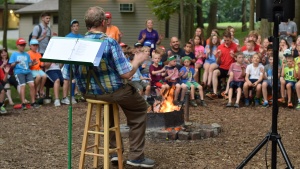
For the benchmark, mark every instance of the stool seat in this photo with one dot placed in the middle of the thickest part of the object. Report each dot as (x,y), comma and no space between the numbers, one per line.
(101,150)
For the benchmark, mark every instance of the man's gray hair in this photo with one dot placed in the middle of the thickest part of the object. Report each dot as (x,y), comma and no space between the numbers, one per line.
(94,17)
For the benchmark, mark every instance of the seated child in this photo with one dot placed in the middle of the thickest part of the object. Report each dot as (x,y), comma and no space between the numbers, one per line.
(289,74)
(268,80)
(38,74)
(21,62)
(188,74)
(146,64)
(249,52)
(173,79)
(156,73)
(137,81)
(237,74)
(3,79)
(253,79)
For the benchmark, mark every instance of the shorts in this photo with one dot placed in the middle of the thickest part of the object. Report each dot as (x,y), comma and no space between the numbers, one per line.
(236,84)
(189,84)
(22,79)
(36,73)
(199,61)
(159,84)
(254,80)
(2,87)
(269,82)
(53,75)
(223,73)
(210,61)
(290,82)
(139,85)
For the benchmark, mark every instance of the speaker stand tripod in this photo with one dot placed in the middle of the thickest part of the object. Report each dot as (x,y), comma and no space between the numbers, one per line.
(273,135)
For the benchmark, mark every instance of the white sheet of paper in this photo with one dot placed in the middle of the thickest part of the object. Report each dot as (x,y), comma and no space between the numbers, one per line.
(72,49)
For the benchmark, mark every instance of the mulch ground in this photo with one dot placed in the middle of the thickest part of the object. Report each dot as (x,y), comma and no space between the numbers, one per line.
(38,138)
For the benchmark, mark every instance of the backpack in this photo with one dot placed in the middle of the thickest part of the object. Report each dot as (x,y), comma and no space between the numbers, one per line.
(39,34)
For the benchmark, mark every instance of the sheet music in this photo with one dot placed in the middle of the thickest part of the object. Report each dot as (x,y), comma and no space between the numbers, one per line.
(72,49)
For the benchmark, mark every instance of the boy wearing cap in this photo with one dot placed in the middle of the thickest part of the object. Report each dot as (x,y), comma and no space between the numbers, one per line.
(38,74)
(188,74)
(173,79)
(21,63)
(73,34)
(112,31)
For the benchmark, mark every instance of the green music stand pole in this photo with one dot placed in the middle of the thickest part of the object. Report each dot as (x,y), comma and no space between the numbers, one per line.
(70,123)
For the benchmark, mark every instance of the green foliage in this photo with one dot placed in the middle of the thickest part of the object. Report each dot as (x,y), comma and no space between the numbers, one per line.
(11,44)
(163,9)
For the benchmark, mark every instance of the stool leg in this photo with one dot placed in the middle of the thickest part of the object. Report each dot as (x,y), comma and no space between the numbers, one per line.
(97,136)
(118,136)
(85,135)
(106,136)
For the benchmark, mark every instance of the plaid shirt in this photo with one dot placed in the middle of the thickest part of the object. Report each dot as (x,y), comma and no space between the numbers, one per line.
(112,65)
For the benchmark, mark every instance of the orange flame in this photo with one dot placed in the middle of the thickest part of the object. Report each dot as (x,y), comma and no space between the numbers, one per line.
(167,104)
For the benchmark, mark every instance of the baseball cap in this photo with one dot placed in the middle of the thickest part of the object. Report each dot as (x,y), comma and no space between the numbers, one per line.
(123,44)
(185,58)
(33,42)
(287,52)
(107,15)
(73,21)
(171,58)
(21,41)
(147,43)
(137,44)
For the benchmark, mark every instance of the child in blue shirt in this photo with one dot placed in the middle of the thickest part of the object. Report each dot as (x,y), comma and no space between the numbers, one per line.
(188,73)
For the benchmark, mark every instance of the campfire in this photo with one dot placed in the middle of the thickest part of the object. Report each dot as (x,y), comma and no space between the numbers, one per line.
(166,105)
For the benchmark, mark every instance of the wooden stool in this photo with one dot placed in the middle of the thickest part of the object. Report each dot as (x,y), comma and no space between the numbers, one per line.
(106,150)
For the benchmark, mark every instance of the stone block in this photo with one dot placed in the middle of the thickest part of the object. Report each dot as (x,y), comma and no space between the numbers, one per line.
(162,134)
(183,135)
(208,133)
(195,135)
(173,135)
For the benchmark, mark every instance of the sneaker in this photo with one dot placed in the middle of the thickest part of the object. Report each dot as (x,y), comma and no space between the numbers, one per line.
(65,100)
(290,105)
(35,105)
(202,103)
(193,103)
(212,96)
(73,100)
(56,103)
(265,104)
(176,102)
(247,102)
(256,102)
(236,105)
(3,110)
(298,106)
(114,159)
(146,162)
(228,105)
(24,107)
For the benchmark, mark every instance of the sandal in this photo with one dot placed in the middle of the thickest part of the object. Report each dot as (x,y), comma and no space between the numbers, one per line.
(225,95)
(281,100)
(37,96)
(42,95)
(290,105)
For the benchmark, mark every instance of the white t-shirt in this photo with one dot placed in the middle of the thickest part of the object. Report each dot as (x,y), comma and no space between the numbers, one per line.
(254,72)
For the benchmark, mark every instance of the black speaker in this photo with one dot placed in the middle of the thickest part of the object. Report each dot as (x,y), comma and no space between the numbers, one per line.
(266,9)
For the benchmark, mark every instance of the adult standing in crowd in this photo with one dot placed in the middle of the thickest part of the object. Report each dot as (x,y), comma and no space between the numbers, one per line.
(149,35)
(113,90)
(42,32)
(288,31)
(112,31)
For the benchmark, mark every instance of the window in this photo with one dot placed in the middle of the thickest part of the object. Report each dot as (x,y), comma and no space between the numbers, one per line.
(35,19)
(126,7)
(167,25)
(55,19)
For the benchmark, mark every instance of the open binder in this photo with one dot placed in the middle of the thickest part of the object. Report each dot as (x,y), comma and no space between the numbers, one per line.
(79,51)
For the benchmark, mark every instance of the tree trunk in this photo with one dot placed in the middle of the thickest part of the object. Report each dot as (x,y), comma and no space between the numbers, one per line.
(182,23)
(212,24)
(5,24)
(252,6)
(297,17)
(265,28)
(244,19)
(189,22)
(200,14)
(64,13)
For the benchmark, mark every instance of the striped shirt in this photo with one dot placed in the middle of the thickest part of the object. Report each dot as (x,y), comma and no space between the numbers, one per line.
(112,65)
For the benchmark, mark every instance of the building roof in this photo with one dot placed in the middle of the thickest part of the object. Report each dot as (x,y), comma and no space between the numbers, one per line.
(27,1)
(45,5)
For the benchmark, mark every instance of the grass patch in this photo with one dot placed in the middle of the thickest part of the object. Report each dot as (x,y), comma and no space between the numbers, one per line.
(11,44)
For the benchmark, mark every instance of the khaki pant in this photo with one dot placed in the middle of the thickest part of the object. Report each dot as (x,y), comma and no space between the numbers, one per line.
(135,110)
